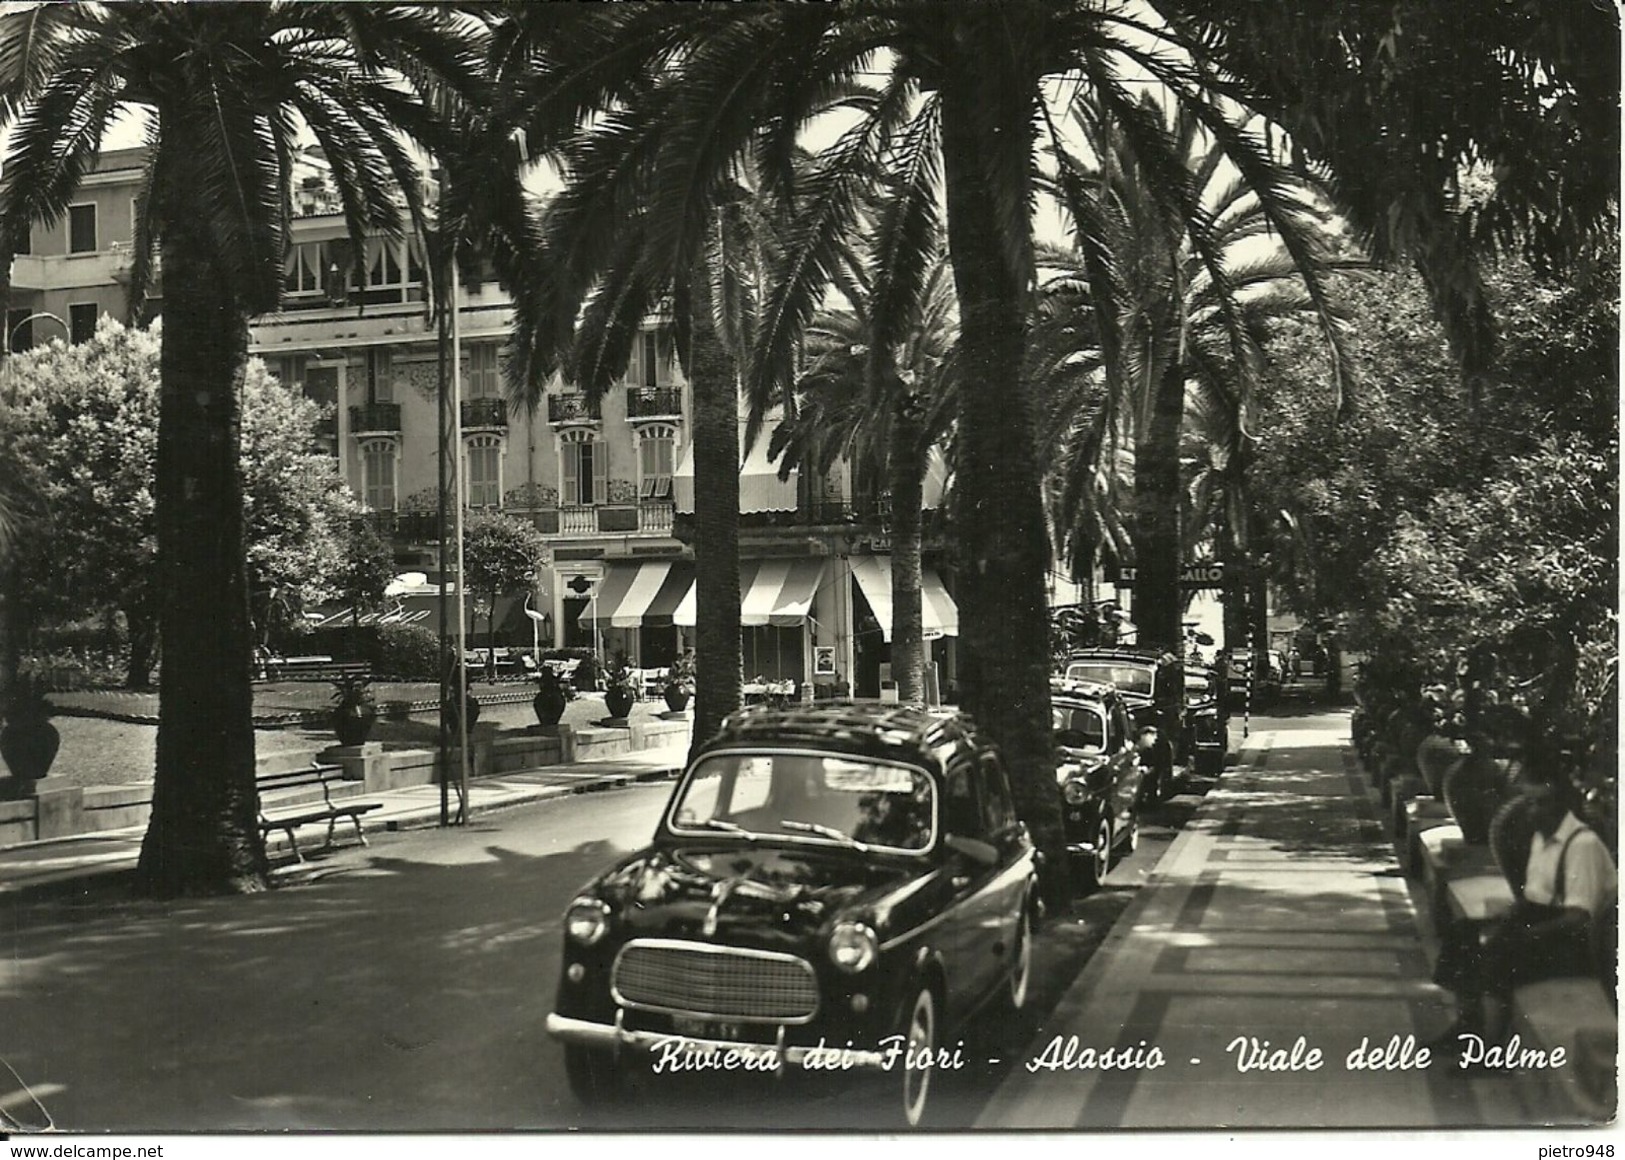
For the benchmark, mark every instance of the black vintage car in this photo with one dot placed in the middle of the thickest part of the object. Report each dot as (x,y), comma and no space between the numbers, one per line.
(1208,720)
(822,876)
(1152,685)
(1099,772)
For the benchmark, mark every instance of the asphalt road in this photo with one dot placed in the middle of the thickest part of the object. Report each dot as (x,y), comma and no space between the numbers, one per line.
(403,988)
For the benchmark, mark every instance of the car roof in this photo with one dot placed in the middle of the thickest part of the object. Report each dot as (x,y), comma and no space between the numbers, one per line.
(887,732)
(1147,656)
(1094,692)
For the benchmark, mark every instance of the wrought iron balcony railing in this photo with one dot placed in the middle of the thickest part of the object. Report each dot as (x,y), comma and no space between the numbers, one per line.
(571,408)
(375,418)
(654,403)
(485,413)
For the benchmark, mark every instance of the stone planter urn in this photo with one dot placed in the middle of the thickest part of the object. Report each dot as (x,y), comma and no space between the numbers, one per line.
(354,710)
(29,743)
(1474,790)
(548,703)
(677,698)
(618,700)
(1436,756)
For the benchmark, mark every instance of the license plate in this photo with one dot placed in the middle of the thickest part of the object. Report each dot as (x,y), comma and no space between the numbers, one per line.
(705,1028)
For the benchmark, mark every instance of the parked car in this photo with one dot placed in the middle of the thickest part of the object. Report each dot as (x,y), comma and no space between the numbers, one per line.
(1152,685)
(1207,722)
(1099,773)
(1256,677)
(822,874)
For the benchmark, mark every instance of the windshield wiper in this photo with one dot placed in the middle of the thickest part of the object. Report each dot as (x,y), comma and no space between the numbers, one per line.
(822,831)
(728,827)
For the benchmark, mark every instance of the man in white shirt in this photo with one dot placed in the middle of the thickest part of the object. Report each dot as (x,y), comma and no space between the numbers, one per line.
(1569,879)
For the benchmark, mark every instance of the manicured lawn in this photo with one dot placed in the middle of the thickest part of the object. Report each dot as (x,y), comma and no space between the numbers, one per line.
(96,751)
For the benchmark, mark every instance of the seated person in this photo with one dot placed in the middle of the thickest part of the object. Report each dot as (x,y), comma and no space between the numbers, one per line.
(1568,880)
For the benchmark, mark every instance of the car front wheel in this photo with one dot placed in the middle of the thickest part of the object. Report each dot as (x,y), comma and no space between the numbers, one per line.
(920,1040)
(1021,961)
(1098,863)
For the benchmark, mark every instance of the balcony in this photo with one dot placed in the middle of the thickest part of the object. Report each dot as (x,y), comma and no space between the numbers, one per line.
(406,527)
(647,404)
(647,517)
(569,409)
(375,419)
(485,414)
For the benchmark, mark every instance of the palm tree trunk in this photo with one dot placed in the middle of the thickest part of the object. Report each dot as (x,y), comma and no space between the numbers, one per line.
(716,517)
(907,484)
(1003,545)
(203,836)
(1158,602)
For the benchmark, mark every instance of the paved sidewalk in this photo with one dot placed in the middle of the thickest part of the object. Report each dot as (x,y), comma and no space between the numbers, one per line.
(34,865)
(1279,917)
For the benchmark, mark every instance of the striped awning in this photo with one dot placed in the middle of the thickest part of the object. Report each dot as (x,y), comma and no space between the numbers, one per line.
(939,615)
(650,594)
(778,592)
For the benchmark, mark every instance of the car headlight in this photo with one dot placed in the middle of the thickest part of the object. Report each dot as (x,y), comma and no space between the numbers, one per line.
(852,947)
(1075,792)
(586,921)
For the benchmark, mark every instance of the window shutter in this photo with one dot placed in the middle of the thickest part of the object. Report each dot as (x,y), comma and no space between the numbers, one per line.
(600,473)
(571,467)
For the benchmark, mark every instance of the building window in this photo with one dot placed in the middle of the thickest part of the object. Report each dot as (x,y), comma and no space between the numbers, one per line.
(584,467)
(304,268)
(81,321)
(289,370)
(485,471)
(645,368)
(26,246)
(383,263)
(380,376)
(378,475)
(484,371)
(657,447)
(82,229)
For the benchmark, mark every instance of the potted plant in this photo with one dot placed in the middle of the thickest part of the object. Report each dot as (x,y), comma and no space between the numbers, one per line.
(354,708)
(29,741)
(586,674)
(471,703)
(680,683)
(619,691)
(551,697)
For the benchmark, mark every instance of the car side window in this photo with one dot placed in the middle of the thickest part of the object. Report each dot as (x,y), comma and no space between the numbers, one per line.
(959,810)
(998,808)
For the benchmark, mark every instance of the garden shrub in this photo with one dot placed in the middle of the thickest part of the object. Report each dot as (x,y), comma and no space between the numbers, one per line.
(408,652)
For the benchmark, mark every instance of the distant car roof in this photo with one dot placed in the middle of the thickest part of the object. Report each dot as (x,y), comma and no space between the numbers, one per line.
(1075,690)
(1148,656)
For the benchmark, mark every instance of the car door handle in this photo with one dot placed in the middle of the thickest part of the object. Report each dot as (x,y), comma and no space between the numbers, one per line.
(960,881)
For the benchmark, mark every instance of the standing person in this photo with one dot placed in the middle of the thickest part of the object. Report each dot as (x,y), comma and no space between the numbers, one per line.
(1569,878)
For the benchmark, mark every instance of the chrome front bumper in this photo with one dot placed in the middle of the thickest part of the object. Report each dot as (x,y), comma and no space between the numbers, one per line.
(615,1037)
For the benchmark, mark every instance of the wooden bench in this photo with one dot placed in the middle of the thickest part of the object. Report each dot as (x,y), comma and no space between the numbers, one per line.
(288,800)
(315,669)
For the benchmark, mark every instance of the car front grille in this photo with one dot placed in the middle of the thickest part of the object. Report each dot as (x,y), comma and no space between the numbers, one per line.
(715,982)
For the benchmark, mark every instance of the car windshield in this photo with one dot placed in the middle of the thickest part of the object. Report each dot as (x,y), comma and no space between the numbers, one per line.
(807,797)
(1129,678)
(1196,683)
(1080,727)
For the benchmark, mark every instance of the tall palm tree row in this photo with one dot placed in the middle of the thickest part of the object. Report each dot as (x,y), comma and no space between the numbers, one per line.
(657,110)
(1176,324)
(226,91)
(883,416)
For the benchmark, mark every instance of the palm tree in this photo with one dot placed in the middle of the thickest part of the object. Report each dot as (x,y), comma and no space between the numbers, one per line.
(731,82)
(227,91)
(882,412)
(1177,323)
